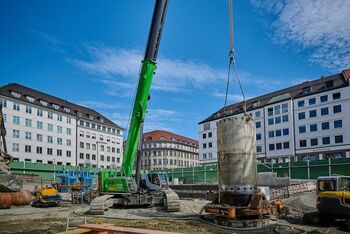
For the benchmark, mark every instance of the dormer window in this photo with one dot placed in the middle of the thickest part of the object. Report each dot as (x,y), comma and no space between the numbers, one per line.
(80,114)
(91,117)
(42,102)
(329,84)
(30,99)
(255,104)
(56,106)
(66,109)
(102,120)
(15,94)
(306,90)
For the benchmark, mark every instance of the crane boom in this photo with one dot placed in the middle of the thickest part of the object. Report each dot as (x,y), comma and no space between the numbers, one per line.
(144,85)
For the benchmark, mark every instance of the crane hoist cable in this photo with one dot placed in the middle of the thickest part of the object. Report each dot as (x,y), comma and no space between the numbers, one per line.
(232,60)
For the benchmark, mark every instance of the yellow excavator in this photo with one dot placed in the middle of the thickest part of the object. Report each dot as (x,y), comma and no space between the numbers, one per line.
(47,197)
(333,200)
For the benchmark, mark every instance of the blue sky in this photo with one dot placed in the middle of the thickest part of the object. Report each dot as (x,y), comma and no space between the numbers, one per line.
(89,52)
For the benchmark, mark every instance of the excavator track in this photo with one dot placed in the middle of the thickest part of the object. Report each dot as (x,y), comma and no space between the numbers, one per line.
(171,201)
(100,204)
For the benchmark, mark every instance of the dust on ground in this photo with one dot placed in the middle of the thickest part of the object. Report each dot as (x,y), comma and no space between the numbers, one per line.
(52,220)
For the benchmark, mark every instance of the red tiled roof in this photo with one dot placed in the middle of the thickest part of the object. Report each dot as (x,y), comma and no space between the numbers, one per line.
(160,135)
(346,74)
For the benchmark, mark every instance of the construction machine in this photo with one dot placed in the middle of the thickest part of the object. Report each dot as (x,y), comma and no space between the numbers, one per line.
(47,197)
(333,200)
(121,187)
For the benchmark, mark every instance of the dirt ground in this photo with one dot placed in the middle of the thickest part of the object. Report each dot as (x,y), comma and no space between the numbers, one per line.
(54,219)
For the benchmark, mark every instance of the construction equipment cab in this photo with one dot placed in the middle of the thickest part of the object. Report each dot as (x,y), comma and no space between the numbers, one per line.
(333,195)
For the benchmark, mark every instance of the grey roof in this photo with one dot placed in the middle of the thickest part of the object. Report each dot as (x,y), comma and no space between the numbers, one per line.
(74,108)
(317,86)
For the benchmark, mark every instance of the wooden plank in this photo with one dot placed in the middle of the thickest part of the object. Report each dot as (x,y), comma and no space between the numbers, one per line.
(76,231)
(110,228)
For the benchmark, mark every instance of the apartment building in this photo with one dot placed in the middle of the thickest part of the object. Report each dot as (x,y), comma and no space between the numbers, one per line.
(162,149)
(45,129)
(303,122)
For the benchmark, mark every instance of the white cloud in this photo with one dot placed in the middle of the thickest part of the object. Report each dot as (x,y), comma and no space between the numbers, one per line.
(120,68)
(319,25)
(100,105)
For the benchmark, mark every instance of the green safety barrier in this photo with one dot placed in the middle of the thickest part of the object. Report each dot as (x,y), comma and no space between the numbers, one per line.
(206,174)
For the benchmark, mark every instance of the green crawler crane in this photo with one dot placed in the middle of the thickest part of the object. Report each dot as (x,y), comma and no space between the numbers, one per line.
(121,188)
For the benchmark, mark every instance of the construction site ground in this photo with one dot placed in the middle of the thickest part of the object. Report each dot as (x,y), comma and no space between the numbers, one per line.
(52,220)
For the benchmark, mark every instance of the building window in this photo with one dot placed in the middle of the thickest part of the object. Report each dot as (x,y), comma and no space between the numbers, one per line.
(204,135)
(301,115)
(15,133)
(28,122)
(326,140)
(271,147)
(258,124)
(324,98)
(39,112)
(81,144)
(69,120)
(278,133)
(87,156)
(338,123)
(312,113)
(28,148)
(314,142)
(210,145)
(277,110)
(28,135)
(302,129)
(59,117)
(286,145)
(28,110)
(258,149)
(306,90)
(324,111)
(39,150)
(93,156)
(325,125)
(102,148)
(313,127)
(102,157)
(271,134)
(4,103)
(285,131)
(285,118)
(15,120)
(204,146)
(59,141)
(312,101)
(44,103)
(55,106)
(49,115)
(16,106)
(39,125)
(39,137)
(301,103)
(258,136)
(59,129)
(270,111)
(257,114)
(49,127)
(69,142)
(338,139)
(336,96)
(210,134)
(278,146)
(49,151)
(270,121)
(337,109)
(285,108)
(278,120)
(206,126)
(69,131)
(49,139)
(15,147)
(302,143)
(81,155)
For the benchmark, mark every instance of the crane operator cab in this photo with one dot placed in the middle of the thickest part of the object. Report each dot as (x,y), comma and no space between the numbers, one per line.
(333,195)
(154,181)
